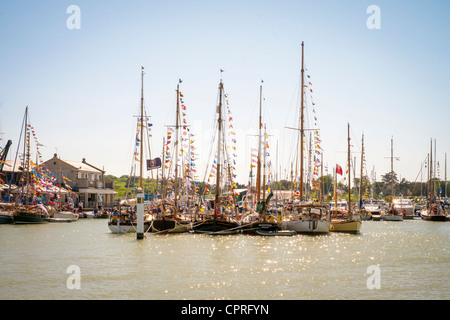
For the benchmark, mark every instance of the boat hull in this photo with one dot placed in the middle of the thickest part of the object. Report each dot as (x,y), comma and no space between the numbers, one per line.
(6,219)
(216,227)
(376,217)
(275,233)
(392,217)
(306,226)
(59,220)
(121,228)
(66,215)
(428,217)
(29,218)
(346,226)
(255,227)
(169,226)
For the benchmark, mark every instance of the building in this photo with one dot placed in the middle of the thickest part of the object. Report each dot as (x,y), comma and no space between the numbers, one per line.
(86,180)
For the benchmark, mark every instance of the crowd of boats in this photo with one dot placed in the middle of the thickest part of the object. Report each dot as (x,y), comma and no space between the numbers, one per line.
(162,217)
(222,214)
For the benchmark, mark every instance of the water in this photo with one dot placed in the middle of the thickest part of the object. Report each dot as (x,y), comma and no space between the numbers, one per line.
(412,256)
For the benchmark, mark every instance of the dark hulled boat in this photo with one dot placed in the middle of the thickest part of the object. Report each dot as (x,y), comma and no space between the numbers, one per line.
(218,223)
(29,216)
(217,226)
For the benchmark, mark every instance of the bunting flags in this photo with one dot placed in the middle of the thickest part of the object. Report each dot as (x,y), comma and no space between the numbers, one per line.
(338,169)
(315,150)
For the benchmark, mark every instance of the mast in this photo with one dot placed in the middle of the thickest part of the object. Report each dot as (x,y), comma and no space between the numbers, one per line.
(435,162)
(142,128)
(59,176)
(301,130)
(349,188)
(321,185)
(219,111)
(335,188)
(392,171)
(258,166)
(264,164)
(140,194)
(163,166)
(361,175)
(431,184)
(177,126)
(26,155)
(445,181)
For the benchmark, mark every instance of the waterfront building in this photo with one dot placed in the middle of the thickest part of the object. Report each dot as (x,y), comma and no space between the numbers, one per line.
(86,180)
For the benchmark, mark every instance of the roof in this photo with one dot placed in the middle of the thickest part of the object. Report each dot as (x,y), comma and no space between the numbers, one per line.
(81,166)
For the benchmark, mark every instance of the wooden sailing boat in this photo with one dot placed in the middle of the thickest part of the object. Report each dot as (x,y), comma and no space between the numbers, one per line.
(218,222)
(264,224)
(390,214)
(312,218)
(172,223)
(433,210)
(350,223)
(27,213)
(123,219)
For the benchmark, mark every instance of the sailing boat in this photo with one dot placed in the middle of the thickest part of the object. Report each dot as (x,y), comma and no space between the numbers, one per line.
(433,210)
(391,214)
(172,223)
(26,213)
(311,217)
(218,223)
(264,223)
(350,223)
(123,220)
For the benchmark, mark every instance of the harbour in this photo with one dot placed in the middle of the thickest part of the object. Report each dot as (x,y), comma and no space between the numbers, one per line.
(288,151)
(412,257)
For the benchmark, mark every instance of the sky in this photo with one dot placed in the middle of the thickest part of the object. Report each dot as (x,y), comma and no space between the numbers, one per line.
(82,85)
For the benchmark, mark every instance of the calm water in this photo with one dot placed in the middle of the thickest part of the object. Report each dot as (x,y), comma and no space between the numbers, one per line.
(413,259)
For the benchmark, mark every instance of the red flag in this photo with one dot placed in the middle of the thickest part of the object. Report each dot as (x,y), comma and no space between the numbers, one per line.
(338,169)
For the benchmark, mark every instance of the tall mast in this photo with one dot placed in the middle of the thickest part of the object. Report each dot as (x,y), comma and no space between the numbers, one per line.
(219,111)
(177,146)
(435,170)
(431,186)
(445,183)
(258,166)
(140,193)
(335,188)
(361,175)
(392,170)
(264,162)
(142,126)
(301,132)
(26,154)
(59,178)
(163,166)
(349,187)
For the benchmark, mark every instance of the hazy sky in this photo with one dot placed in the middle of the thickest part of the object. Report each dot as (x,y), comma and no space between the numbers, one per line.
(83,86)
